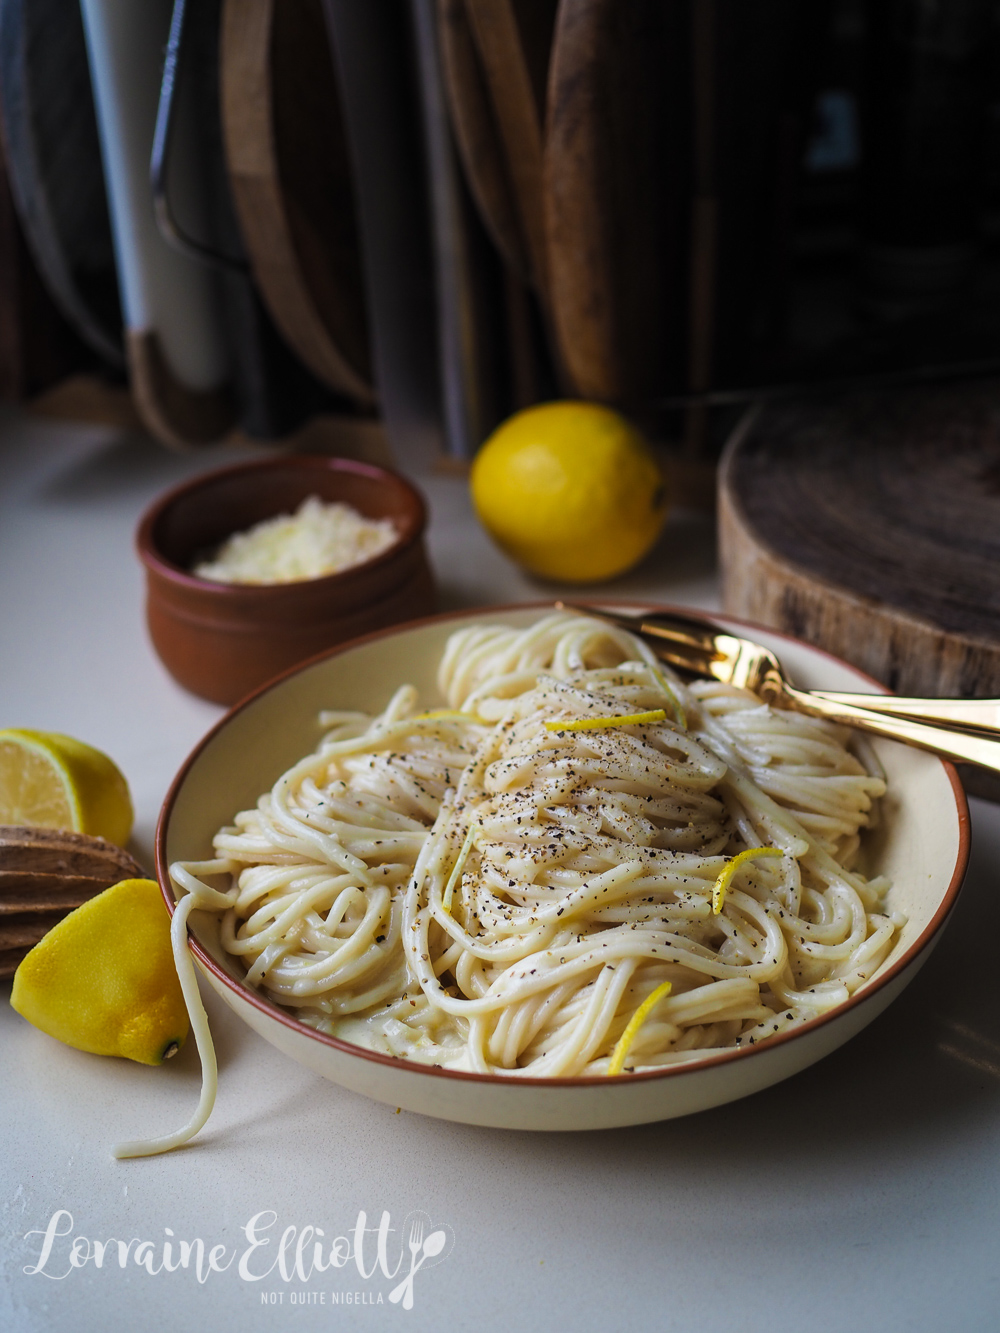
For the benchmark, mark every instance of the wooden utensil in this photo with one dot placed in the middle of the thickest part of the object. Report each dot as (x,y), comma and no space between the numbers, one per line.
(45,873)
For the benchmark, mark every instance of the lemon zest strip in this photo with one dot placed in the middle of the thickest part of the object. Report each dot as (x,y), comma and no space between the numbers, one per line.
(634,1024)
(676,706)
(599,723)
(457,869)
(725,879)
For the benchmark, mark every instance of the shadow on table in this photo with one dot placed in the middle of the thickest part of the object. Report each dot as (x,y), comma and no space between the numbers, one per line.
(124,462)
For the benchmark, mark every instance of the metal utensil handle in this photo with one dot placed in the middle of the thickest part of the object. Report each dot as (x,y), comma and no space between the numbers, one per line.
(959,746)
(981,714)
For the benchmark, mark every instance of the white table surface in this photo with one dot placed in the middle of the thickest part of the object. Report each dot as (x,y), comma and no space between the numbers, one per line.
(862,1194)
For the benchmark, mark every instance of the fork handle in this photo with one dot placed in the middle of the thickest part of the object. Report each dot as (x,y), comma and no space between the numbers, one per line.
(962,747)
(982,715)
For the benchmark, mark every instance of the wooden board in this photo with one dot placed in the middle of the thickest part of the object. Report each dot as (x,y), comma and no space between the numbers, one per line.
(869,525)
(273,392)
(292,184)
(474,108)
(477,135)
(616,197)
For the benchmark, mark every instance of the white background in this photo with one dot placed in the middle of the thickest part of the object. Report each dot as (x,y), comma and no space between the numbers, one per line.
(861,1194)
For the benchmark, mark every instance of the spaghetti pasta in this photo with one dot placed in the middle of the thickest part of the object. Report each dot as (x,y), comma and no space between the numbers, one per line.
(502,885)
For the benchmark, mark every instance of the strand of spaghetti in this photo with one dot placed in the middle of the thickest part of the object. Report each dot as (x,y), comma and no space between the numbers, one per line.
(202,1036)
(617,1062)
(458,867)
(675,703)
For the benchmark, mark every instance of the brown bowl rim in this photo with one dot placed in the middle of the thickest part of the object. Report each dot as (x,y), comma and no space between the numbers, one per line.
(158,564)
(723,1057)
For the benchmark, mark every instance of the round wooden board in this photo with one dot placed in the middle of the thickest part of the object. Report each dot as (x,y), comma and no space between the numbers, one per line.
(869,525)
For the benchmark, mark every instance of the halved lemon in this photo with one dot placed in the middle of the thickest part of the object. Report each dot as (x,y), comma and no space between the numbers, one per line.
(48,780)
(103,979)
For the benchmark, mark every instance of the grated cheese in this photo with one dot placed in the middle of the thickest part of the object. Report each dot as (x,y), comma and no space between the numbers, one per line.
(316,540)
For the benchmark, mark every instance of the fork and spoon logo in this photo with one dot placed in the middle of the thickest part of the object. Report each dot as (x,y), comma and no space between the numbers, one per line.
(424,1245)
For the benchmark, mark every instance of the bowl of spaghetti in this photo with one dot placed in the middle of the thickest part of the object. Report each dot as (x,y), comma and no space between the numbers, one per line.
(505,868)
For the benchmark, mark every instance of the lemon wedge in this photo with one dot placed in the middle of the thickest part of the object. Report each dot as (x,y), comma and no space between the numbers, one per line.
(52,781)
(103,978)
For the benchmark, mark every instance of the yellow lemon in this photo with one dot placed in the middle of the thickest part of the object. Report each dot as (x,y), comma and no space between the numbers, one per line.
(570,490)
(53,781)
(103,979)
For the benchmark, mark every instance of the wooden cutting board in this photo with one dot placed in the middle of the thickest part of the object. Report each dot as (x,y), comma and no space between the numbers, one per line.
(616,196)
(869,525)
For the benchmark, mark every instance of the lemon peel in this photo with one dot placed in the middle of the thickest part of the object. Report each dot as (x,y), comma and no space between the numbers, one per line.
(457,868)
(619,1054)
(721,885)
(599,723)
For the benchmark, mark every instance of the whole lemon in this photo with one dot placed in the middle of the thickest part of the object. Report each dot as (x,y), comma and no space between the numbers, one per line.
(103,978)
(570,490)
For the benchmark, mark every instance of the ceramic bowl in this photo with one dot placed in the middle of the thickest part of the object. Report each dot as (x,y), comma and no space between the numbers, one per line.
(922,844)
(222,640)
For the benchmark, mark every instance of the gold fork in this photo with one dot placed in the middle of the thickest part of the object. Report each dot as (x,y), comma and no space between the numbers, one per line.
(956,729)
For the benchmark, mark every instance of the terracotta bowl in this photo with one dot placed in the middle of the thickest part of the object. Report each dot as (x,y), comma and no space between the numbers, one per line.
(222,640)
(922,844)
